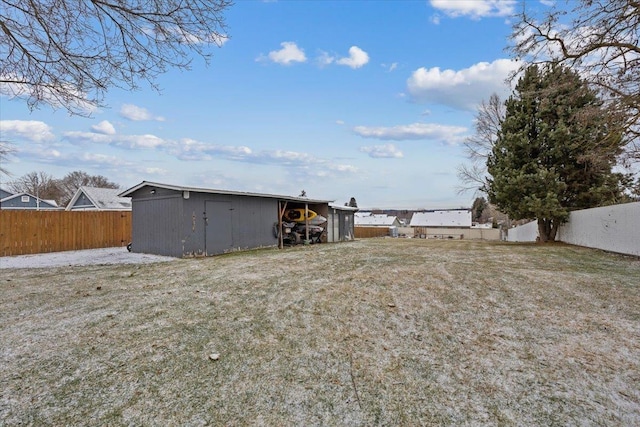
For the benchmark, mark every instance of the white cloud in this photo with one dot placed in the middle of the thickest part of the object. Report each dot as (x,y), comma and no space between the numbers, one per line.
(357,58)
(41,154)
(390,67)
(190,38)
(386,151)
(475,9)
(143,141)
(190,149)
(325,59)
(341,168)
(79,137)
(286,157)
(67,96)
(463,89)
(96,160)
(415,131)
(135,113)
(146,141)
(289,53)
(31,130)
(153,171)
(302,164)
(104,127)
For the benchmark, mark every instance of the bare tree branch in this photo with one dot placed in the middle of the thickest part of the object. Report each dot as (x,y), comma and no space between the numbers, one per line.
(487,124)
(68,53)
(601,42)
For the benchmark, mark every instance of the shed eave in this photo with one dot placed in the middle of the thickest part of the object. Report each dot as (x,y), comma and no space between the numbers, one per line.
(143,184)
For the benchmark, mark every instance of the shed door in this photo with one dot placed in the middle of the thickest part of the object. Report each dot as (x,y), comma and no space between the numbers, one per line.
(218,229)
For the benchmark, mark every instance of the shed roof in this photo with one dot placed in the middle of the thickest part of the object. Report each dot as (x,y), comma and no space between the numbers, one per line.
(102,199)
(130,191)
(343,208)
(442,218)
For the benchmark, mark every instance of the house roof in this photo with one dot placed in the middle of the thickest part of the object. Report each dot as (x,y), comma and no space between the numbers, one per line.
(442,218)
(5,193)
(101,199)
(41,203)
(130,191)
(375,220)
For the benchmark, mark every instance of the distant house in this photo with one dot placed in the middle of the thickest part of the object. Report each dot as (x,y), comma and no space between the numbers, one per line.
(444,224)
(367,219)
(98,199)
(25,201)
(449,218)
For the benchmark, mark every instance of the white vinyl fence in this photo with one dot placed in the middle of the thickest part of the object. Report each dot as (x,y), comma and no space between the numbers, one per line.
(612,228)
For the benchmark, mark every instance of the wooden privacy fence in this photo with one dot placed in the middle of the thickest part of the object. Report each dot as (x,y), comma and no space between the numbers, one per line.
(31,232)
(366,232)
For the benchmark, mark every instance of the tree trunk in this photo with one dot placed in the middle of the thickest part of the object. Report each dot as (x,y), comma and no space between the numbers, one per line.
(547,229)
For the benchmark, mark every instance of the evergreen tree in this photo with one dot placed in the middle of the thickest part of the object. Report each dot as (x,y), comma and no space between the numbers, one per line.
(555,150)
(479,205)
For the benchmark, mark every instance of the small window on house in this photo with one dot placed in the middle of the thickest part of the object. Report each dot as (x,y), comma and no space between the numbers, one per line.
(25,199)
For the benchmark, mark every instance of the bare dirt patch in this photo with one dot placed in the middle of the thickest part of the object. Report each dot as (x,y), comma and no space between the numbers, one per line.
(373,332)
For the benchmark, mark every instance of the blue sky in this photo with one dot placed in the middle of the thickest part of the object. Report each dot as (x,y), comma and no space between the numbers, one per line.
(364,99)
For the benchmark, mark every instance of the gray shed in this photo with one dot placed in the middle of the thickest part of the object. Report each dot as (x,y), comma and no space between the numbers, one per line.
(185,221)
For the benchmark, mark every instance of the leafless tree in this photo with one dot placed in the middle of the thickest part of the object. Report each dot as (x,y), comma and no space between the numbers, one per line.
(72,181)
(68,53)
(39,184)
(5,150)
(45,186)
(600,40)
(478,146)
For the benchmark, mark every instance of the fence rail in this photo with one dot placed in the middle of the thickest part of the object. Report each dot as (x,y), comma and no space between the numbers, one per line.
(29,232)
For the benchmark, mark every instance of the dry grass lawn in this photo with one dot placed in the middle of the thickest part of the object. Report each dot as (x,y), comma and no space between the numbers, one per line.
(373,332)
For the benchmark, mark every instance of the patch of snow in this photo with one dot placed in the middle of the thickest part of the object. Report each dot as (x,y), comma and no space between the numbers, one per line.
(117,255)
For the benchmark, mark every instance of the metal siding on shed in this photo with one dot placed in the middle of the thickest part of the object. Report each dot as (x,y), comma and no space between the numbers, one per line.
(192,238)
(253,222)
(172,222)
(340,225)
(156,225)
(248,223)
(219,227)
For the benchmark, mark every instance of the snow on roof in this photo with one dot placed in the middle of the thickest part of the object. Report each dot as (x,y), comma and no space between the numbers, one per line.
(344,208)
(374,220)
(101,198)
(442,218)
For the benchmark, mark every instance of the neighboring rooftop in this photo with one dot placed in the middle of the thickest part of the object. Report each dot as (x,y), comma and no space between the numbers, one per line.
(374,220)
(102,199)
(442,218)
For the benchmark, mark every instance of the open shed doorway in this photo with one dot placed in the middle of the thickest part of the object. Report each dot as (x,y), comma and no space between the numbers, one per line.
(300,222)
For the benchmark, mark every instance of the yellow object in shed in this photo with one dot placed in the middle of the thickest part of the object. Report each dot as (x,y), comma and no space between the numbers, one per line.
(298,215)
